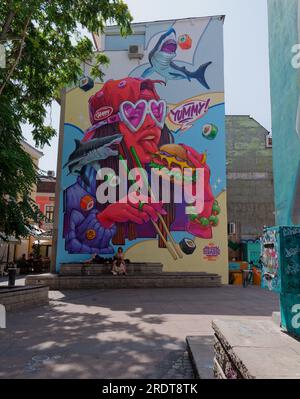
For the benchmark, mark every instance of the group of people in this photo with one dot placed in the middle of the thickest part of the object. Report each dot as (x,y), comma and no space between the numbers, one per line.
(30,264)
(118,267)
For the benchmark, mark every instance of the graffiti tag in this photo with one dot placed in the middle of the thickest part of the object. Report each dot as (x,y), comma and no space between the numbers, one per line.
(290,232)
(296,318)
(289,252)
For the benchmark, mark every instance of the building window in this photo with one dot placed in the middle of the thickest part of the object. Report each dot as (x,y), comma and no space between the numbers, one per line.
(269,141)
(49,213)
(231,229)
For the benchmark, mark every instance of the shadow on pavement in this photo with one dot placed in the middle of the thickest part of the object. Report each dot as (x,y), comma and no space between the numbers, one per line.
(118,333)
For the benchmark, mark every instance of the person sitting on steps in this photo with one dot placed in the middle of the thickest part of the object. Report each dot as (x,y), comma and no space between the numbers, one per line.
(119,266)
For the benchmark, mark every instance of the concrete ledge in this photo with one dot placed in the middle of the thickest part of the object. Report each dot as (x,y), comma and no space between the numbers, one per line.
(21,297)
(163,280)
(94,269)
(201,352)
(255,349)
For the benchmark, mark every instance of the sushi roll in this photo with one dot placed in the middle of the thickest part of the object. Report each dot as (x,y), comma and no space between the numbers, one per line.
(187,246)
(87,203)
(210,131)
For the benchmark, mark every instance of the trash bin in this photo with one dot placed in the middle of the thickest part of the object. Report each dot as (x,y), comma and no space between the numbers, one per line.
(12,271)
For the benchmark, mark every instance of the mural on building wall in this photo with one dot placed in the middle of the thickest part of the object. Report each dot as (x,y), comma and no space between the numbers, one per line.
(166,117)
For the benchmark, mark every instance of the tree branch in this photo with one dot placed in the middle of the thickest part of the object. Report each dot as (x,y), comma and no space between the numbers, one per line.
(19,54)
(87,63)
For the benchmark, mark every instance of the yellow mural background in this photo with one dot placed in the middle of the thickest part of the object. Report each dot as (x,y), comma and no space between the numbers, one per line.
(77,112)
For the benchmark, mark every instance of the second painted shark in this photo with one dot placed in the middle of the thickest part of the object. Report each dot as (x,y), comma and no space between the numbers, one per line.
(90,153)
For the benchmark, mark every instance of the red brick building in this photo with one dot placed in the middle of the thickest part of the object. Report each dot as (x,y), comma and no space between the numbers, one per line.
(45,199)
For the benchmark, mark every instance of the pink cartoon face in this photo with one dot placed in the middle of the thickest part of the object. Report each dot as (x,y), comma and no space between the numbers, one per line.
(142,124)
(145,140)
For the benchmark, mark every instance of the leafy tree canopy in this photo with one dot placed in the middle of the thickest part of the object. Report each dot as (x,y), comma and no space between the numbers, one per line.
(45,47)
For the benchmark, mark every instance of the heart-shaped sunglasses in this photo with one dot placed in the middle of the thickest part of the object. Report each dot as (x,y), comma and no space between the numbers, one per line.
(134,115)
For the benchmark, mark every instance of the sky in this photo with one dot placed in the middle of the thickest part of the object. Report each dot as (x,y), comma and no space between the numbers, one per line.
(246,56)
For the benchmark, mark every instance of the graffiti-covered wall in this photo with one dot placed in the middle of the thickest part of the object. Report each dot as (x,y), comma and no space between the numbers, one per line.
(284,38)
(155,124)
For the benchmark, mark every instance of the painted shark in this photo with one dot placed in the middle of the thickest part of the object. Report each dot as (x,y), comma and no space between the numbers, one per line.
(161,61)
(90,153)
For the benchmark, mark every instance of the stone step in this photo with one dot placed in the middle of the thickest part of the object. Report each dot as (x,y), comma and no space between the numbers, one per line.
(85,269)
(201,352)
(163,280)
(21,297)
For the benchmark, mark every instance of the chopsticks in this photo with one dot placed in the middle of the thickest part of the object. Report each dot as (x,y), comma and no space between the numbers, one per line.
(174,251)
(155,225)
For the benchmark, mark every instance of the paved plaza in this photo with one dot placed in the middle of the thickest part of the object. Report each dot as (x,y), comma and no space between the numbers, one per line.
(134,333)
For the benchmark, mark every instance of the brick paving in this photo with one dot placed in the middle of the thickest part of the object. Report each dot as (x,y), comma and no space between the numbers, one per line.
(134,333)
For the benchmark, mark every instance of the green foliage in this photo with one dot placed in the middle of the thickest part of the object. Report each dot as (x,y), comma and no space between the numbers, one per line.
(45,48)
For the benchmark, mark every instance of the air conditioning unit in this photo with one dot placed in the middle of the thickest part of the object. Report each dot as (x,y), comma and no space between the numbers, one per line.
(231,229)
(51,173)
(269,143)
(135,51)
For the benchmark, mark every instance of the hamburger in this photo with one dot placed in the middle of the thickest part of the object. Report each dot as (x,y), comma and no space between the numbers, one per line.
(171,156)
(174,156)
